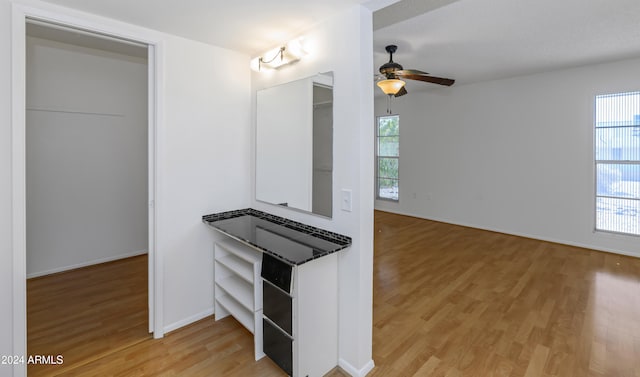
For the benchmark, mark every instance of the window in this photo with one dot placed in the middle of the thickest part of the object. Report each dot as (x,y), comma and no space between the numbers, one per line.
(387,155)
(617,162)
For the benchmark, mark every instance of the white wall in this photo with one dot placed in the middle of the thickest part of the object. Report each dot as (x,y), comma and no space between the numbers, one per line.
(203,158)
(343,44)
(205,165)
(86,130)
(512,155)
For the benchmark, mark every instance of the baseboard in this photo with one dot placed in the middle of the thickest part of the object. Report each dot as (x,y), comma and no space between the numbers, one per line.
(188,320)
(353,371)
(520,234)
(85,264)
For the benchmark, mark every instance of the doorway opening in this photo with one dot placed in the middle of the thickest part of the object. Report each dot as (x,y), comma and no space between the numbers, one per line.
(86,142)
(67,116)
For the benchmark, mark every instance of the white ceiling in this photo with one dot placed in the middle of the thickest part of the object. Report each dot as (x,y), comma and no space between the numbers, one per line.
(467,40)
(248,26)
(477,40)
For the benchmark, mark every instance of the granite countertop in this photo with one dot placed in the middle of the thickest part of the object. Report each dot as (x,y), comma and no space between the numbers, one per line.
(292,242)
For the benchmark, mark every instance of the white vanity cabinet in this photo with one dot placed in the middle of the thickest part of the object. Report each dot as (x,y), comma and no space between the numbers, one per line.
(279,279)
(238,287)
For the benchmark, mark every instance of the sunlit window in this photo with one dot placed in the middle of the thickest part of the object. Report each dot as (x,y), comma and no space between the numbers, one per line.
(387,157)
(617,162)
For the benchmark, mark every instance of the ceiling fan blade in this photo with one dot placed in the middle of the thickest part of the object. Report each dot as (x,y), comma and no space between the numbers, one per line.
(431,79)
(410,72)
(401,92)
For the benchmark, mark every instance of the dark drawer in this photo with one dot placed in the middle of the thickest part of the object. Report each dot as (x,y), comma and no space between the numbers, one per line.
(276,272)
(278,346)
(277,306)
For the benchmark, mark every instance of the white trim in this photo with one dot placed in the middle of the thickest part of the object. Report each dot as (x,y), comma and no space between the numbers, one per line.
(88,22)
(526,235)
(353,371)
(72,18)
(156,261)
(189,320)
(86,264)
(18,181)
(65,28)
(151,182)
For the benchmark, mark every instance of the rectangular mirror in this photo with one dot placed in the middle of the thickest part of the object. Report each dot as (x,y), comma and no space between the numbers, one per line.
(294,144)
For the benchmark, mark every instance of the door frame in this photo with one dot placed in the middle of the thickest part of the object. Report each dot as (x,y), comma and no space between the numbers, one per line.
(75,19)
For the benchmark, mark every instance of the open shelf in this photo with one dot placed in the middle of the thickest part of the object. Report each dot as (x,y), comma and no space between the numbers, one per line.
(239,312)
(239,266)
(239,289)
(242,251)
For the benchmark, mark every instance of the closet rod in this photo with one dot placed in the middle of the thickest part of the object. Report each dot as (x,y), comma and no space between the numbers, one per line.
(74,112)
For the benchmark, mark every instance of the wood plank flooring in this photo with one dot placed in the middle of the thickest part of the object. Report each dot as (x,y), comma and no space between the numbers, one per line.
(87,313)
(448,301)
(455,301)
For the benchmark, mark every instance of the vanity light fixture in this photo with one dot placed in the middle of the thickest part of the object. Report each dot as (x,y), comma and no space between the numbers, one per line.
(279,56)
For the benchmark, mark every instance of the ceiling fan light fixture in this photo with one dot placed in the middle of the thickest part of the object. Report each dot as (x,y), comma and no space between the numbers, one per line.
(390,86)
(394,72)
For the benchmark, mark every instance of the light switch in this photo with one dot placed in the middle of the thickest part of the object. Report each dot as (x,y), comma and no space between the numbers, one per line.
(346,200)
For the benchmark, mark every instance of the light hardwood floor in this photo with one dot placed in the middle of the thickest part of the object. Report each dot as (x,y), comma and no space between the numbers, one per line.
(87,313)
(448,301)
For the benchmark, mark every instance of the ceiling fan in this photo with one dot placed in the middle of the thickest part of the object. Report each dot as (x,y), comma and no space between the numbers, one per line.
(392,73)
